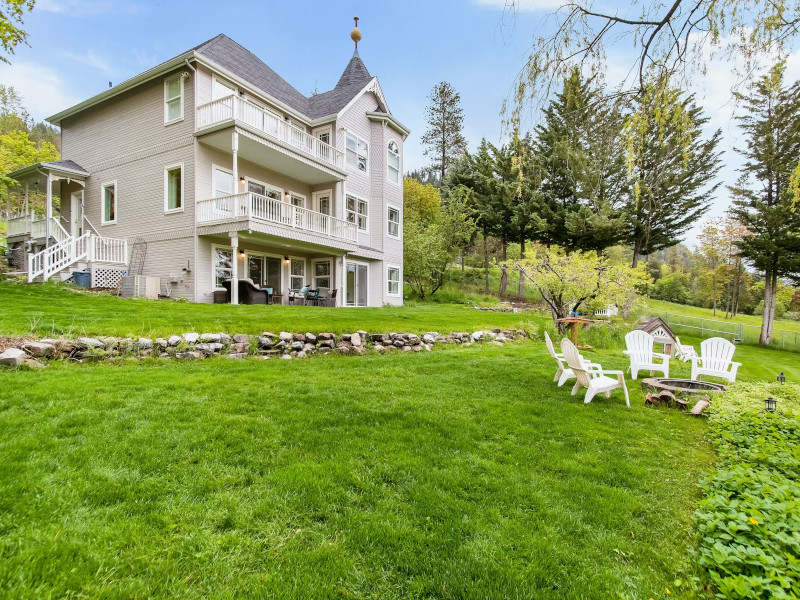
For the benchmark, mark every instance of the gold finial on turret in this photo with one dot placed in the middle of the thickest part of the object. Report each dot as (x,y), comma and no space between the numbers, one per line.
(355,35)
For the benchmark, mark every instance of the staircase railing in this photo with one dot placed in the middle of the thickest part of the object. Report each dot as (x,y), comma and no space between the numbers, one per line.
(51,260)
(87,247)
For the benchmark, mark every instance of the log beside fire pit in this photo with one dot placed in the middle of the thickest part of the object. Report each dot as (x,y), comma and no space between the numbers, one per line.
(678,392)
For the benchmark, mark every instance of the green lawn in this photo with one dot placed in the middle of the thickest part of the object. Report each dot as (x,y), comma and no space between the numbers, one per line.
(46,310)
(464,473)
(706,313)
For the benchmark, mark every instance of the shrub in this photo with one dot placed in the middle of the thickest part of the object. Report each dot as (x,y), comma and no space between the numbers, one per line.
(749,520)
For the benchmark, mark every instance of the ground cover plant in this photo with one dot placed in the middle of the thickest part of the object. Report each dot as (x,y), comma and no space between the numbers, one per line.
(462,473)
(749,521)
(53,310)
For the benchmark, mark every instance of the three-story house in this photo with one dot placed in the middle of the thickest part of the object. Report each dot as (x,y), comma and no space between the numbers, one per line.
(211,167)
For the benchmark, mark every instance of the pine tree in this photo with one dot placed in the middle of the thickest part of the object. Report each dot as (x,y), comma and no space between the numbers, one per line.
(763,196)
(443,139)
(673,168)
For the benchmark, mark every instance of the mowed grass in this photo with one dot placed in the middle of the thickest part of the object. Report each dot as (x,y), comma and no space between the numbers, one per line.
(707,313)
(52,310)
(463,473)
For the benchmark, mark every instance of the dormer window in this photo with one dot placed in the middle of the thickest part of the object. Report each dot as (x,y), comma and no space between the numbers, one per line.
(173,99)
(393,162)
(357,152)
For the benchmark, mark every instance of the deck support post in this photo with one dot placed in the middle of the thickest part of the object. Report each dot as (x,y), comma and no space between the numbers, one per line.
(234,267)
(235,153)
(48,210)
(26,199)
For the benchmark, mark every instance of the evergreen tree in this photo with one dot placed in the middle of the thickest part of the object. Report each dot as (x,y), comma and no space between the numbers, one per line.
(763,196)
(672,169)
(581,168)
(443,140)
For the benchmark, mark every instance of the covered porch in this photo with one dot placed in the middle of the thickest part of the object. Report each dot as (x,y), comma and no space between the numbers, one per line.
(270,270)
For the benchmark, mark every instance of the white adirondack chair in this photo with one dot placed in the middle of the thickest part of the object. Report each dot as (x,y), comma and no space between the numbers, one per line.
(640,351)
(715,359)
(563,373)
(593,377)
(684,352)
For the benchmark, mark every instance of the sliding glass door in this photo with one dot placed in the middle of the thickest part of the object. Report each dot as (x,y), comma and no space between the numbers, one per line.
(356,284)
(265,271)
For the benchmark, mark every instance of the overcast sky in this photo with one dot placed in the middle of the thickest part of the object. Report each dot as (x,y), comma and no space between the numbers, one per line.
(78,46)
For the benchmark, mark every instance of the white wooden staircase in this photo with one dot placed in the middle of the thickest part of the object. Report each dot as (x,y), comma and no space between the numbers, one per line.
(73,253)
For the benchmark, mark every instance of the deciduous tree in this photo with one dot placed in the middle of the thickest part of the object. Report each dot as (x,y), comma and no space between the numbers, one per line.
(11,32)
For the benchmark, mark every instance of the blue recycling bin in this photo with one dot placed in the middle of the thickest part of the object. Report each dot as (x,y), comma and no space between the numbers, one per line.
(82,278)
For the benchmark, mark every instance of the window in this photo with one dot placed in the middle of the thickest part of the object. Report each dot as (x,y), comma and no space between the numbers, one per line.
(393,162)
(173,188)
(356,212)
(393,279)
(297,274)
(223,183)
(109,195)
(173,99)
(393,218)
(220,89)
(357,152)
(322,274)
(223,265)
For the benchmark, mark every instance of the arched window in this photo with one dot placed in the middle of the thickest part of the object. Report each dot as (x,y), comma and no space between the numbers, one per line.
(393,162)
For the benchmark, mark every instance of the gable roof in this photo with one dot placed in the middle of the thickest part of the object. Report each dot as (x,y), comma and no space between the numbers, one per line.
(653,324)
(246,66)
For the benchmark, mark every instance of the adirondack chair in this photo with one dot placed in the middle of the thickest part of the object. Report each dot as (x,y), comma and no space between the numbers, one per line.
(564,373)
(684,352)
(593,377)
(715,359)
(640,351)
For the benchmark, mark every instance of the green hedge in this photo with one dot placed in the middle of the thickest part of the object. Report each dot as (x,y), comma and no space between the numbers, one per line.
(749,520)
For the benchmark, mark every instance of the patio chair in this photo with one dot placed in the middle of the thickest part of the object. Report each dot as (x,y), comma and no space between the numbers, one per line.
(250,293)
(312,297)
(593,377)
(323,294)
(563,373)
(298,295)
(643,358)
(684,352)
(331,300)
(715,360)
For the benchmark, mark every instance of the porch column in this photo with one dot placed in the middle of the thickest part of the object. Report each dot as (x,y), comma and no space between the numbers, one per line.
(26,197)
(340,281)
(234,267)
(49,209)
(235,152)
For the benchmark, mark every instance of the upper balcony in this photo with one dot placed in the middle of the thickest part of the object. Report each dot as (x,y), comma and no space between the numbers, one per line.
(289,149)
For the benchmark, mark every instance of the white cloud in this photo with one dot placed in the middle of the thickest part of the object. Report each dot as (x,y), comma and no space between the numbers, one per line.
(86,8)
(521,5)
(44,91)
(90,59)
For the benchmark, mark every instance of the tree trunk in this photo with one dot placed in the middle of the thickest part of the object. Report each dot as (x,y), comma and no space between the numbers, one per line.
(486,261)
(637,251)
(628,306)
(714,291)
(736,289)
(462,270)
(504,271)
(770,292)
(521,273)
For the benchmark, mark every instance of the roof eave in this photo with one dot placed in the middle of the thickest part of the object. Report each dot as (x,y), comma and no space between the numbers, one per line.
(120,88)
(35,168)
(391,121)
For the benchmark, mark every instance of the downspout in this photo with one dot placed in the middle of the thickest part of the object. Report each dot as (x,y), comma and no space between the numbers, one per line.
(194,179)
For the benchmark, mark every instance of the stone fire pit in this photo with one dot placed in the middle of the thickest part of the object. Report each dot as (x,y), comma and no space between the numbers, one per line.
(679,392)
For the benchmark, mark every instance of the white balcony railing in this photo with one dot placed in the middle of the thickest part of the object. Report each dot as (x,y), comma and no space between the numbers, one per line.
(238,109)
(254,206)
(36,227)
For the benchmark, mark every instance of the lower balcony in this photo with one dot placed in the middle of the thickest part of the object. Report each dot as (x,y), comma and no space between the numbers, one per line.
(248,210)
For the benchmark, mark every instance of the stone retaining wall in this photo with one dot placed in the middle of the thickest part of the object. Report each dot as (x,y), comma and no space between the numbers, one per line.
(284,345)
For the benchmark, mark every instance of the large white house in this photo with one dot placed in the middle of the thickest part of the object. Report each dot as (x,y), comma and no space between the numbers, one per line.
(211,167)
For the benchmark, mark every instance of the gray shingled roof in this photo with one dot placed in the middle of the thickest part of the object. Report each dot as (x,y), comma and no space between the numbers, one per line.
(70,165)
(225,52)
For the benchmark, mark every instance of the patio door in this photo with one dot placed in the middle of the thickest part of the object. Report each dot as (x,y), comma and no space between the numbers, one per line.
(76,214)
(265,271)
(356,284)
